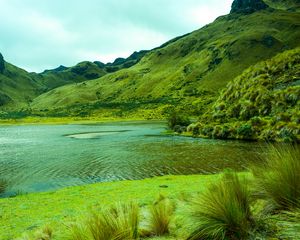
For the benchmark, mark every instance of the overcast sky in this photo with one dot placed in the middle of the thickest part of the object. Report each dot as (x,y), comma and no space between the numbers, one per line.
(43,34)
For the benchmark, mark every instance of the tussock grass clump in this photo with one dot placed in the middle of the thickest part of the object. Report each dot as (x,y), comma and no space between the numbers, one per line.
(223,211)
(45,233)
(288,224)
(160,217)
(278,177)
(3,185)
(120,222)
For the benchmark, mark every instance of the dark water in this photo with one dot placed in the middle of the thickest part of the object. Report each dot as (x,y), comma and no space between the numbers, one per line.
(44,157)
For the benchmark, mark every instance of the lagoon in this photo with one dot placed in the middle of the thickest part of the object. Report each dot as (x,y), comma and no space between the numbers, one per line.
(36,158)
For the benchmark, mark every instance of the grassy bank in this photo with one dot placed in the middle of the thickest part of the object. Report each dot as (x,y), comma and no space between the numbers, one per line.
(68,120)
(27,213)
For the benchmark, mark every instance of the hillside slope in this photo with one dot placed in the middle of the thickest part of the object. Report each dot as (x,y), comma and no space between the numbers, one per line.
(291,5)
(18,87)
(188,72)
(85,71)
(262,103)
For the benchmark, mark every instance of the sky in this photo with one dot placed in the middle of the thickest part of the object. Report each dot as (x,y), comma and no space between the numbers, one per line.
(43,34)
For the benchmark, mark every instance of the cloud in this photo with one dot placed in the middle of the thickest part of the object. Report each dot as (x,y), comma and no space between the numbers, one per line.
(38,34)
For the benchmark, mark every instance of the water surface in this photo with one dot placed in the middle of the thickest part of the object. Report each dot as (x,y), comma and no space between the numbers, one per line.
(47,157)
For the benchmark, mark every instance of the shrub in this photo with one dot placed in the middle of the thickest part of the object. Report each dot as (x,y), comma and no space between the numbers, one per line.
(160,217)
(223,211)
(120,222)
(245,131)
(46,233)
(287,135)
(178,119)
(221,132)
(278,178)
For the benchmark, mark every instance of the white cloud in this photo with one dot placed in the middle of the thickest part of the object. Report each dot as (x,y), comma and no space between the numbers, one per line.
(39,34)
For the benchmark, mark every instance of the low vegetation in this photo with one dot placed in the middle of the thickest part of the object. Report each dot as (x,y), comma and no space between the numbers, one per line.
(120,222)
(45,233)
(160,217)
(178,121)
(223,211)
(263,103)
(278,178)
(3,185)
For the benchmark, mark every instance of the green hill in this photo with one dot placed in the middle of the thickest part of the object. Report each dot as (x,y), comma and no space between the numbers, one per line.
(84,71)
(18,88)
(187,73)
(262,103)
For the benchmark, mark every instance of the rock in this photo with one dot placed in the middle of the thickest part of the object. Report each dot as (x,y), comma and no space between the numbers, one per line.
(2,65)
(247,6)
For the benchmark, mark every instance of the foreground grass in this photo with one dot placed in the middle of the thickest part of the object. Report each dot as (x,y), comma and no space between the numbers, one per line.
(278,178)
(27,213)
(223,211)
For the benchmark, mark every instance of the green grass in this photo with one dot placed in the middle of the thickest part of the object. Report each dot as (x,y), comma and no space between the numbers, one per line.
(67,120)
(288,224)
(44,233)
(119,222)
(27,213)
(222,208)
(278,178)
(160,217)
(223,211)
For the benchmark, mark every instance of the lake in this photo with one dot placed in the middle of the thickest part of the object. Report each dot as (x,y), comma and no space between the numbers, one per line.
(47,157)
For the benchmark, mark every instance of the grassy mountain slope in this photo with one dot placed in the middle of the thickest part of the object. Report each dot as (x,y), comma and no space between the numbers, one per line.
(85,71)
(292,5)
(18,87)
(188,72)
(263,103)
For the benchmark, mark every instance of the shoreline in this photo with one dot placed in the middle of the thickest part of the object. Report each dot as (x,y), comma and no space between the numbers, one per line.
(58,121)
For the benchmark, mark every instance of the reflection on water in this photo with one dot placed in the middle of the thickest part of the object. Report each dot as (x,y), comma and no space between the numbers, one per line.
(39,158)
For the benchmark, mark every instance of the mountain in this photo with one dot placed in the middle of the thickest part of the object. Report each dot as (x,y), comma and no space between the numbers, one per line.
(187,73)
(262,103)
(85,71)
(18,87)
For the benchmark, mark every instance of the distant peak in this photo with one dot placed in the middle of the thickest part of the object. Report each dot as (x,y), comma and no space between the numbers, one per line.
(247,6)
(61,68)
